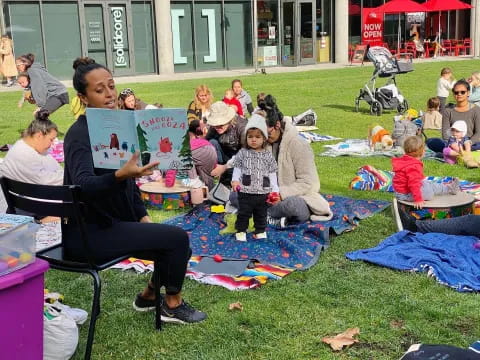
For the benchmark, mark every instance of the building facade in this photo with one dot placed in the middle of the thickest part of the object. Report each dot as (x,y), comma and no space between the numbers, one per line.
(164,36)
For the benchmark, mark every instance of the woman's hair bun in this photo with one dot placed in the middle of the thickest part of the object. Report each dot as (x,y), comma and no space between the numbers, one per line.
(82,61)
(42,115)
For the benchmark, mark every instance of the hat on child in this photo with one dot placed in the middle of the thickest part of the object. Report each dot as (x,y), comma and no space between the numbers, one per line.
(461,126)
(257,122)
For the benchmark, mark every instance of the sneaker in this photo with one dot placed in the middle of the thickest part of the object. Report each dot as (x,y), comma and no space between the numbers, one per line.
(182,314)
(404,220)
(141,304)
(278,222)
(241,236)
(262,235)
(454,186)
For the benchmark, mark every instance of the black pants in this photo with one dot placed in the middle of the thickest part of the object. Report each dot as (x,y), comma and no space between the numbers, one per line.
(169,245)
(252,204)
(56,101)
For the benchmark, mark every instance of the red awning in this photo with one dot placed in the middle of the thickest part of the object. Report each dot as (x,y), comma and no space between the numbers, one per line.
(400,6)
(445,5)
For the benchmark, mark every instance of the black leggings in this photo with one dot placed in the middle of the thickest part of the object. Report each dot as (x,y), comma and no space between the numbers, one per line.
(169,245)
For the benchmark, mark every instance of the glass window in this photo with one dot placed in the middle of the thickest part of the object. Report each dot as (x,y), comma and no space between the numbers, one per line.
(182,33)
(95,33)
(119,36)
(354,22)
(208,36)
(143,37)
(324,30)
(24,24)
(267,32)
(61,46)
(238,31)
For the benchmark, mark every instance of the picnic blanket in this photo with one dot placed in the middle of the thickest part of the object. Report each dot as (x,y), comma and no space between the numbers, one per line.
(361,148)
(251,278)
(370,178)
(452,259)
(296,246)
(314,137)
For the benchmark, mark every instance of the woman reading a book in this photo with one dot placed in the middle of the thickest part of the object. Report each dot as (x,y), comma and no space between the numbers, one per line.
(115,214)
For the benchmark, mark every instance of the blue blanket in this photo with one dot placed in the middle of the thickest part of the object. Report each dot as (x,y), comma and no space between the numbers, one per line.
(296,246)
(451,259)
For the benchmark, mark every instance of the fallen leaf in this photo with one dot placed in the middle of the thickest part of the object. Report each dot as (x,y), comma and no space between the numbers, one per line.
(344,339)
(235,306)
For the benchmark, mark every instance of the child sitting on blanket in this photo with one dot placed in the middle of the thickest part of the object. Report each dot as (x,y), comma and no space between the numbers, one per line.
(457,143)
(254,177)
(409,182)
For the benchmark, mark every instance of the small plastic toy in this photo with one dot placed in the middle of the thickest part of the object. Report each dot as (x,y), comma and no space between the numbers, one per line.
(273,197)
(217,258)
(218,209)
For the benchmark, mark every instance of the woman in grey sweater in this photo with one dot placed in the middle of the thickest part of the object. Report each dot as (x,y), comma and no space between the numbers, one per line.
(47,91)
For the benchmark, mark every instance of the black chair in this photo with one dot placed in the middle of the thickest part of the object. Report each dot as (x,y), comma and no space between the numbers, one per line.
(64,202)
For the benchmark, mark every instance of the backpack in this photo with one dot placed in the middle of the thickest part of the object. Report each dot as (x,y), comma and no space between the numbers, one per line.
(403,129)
(307,118)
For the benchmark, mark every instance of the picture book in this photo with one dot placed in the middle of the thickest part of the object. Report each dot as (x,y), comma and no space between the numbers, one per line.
(159,134)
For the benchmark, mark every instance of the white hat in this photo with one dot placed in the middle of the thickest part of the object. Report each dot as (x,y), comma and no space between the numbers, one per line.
(257,122)
(220,114)
(461,126)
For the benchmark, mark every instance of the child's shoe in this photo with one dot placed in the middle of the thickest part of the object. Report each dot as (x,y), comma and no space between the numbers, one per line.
(262,235)
(454,186)
(241,236)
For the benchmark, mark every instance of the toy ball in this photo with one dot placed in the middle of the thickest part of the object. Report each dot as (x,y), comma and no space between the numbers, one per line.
(217,258)
(3,266)
(25,257)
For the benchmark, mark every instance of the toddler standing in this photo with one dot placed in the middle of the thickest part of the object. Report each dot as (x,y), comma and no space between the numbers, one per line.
(432,119)
(254,177)
(457,143)
(444,85)
(409,182)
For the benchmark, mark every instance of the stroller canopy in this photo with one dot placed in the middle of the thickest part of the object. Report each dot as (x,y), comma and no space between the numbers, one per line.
(385,63)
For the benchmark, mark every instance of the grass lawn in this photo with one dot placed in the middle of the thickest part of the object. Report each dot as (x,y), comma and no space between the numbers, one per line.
(286,319)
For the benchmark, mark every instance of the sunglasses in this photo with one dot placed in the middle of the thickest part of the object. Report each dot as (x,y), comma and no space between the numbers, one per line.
(461,92)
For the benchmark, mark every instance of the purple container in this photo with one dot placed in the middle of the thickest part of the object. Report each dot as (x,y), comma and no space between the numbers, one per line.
(21,311)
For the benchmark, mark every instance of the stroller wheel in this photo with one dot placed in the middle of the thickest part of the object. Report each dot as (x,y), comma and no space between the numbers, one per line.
(357,105)
(401,108)
(376,108)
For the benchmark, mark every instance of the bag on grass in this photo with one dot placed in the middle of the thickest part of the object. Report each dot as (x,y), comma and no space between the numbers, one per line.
(219,194)
(403,129)
(307,118)
(60,334)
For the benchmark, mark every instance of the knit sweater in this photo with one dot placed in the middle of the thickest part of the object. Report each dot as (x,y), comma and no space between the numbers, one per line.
(107,199)
(444,86)
(297,173)
(24,163)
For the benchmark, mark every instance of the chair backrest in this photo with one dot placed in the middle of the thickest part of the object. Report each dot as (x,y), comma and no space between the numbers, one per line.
(467,42)
(46,200)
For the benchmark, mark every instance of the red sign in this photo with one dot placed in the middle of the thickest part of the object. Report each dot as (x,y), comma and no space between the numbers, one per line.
(372,27)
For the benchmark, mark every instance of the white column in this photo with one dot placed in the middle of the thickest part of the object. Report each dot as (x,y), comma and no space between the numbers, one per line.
(474,27)
(163,23)
(341,31)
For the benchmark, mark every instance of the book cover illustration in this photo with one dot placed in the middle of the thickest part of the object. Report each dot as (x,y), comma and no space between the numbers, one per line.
(159,134)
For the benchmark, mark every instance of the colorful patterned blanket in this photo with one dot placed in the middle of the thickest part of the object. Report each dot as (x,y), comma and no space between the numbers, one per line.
(370,178)
(297,246)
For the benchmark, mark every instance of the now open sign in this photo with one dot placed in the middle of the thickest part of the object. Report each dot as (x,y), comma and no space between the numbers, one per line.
(372,28)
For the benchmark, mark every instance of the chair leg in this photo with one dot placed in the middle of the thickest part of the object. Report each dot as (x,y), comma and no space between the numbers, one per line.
(158,301)
(97,288)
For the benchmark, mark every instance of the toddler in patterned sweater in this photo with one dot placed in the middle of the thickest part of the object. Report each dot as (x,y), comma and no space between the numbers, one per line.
(254,177)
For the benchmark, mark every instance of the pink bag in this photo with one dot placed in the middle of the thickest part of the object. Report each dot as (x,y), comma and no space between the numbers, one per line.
(169,179)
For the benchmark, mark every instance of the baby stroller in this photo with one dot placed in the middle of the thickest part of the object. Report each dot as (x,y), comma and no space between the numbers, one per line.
(387,97)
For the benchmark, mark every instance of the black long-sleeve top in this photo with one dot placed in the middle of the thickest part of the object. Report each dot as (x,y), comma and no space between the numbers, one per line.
(106,197)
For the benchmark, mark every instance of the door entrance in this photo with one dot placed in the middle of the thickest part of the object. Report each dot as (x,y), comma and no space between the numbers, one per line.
(109,36)
(298,33)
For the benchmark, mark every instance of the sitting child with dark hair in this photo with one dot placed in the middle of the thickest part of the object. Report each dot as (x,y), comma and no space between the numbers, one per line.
(409,182)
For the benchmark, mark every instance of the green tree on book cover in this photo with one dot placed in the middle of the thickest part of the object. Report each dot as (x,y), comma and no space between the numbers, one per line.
(142,140)
(185,153)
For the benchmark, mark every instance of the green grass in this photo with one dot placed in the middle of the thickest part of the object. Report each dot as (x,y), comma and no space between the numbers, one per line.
(287,319)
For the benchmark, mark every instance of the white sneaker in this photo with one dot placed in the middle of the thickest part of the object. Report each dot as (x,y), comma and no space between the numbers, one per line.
(262,235)
(241,236)
(278,222)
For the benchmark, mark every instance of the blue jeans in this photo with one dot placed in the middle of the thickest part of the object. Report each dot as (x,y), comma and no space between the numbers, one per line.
(437,145)
(462,225)
(429,190)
